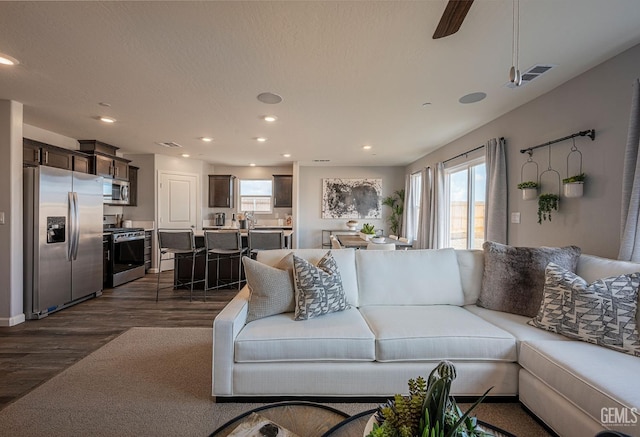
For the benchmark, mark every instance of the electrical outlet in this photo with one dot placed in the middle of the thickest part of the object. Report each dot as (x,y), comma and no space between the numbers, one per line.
(515,217)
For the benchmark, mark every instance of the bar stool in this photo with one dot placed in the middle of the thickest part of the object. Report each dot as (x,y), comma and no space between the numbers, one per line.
(265,240)
(224,245)
(179,244)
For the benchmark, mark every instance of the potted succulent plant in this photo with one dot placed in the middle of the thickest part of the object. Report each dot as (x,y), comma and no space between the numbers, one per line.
(529,190)
(429,410)
(574,185)
(546,203)
(367,231)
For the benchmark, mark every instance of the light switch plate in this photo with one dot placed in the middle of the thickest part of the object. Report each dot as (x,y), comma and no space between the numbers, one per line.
(515,217)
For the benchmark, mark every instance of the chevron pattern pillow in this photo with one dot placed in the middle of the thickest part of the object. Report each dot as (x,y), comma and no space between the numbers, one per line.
(318,289)
(603,312)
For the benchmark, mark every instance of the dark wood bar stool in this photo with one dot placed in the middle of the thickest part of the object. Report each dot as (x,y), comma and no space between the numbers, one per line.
(177,244)
(221,245)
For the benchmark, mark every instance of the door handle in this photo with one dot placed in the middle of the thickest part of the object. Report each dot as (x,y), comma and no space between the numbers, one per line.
(76,227)
(71,231)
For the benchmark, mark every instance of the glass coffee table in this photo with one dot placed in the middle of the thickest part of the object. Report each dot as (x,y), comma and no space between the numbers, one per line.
(310,419)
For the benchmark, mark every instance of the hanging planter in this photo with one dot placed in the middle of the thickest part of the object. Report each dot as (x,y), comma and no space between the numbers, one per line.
(574,185)
(546,203)
(529,190)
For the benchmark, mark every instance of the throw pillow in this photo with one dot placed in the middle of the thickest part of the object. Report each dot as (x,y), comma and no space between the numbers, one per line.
(271,288)
(603,312)
(318,288)
(513,278)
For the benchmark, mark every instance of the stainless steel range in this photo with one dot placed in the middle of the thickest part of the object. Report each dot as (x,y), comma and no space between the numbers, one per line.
(124,256)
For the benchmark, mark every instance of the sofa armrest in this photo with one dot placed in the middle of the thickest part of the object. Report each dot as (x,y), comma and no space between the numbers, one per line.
(226,327)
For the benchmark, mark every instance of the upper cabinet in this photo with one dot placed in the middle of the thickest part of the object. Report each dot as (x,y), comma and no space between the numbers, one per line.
(221,191)
(38,153)
(282,191)
(133,185)
(104,161)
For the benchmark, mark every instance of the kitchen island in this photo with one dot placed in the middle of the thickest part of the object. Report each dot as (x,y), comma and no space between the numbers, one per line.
(228,267)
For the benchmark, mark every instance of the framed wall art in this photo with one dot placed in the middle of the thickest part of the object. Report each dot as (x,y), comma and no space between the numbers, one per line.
(351,198)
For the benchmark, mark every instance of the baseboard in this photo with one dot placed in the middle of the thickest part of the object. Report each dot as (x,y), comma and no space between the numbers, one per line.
(12,321)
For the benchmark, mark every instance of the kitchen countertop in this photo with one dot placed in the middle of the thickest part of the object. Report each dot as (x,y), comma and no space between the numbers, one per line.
(200,233)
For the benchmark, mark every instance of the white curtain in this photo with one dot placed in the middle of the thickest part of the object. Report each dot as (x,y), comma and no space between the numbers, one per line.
(412,205)
(496,212)
(407,206)
(431,220)
(630,233)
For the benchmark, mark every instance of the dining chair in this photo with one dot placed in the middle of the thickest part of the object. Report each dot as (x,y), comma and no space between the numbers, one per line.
(178,244)
(221,245)
(381,246)
(264,240)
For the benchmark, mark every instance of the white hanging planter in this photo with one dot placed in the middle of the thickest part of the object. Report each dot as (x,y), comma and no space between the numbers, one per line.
(573,189)
(529,193)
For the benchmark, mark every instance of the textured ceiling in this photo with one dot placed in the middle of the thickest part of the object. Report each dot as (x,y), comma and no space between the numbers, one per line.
(350,73)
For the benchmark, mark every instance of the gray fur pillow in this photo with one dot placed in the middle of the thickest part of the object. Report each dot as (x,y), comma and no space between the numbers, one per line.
(513,279)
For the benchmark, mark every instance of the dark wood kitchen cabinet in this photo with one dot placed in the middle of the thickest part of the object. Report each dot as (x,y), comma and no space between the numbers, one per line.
(221,191)
(147,250)
(133,185)
(282,191)
(31,152)
(38,153)
(81,164)
(104,161)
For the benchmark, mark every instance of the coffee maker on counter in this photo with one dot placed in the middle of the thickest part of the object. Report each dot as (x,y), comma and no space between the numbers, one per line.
(219,218)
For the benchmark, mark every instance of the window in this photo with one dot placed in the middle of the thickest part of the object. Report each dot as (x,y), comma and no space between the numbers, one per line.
(255,195)
(413,205)
(465,192)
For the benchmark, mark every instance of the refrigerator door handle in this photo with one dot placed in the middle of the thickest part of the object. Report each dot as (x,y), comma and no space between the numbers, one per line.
(71,232)
(76,226)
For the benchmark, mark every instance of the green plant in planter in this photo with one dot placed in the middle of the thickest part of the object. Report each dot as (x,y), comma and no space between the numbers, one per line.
(527,184)
(428,411)
(396,203)
(367,229)
(546,204)
(577,178)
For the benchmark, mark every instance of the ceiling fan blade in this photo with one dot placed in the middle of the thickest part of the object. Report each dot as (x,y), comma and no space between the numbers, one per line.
(452,18)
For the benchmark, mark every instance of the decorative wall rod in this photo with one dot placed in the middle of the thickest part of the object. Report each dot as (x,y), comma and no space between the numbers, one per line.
(585,133)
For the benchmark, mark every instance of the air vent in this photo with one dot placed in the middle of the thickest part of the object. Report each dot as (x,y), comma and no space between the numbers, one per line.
(532,73)
(321,160)
(169,144)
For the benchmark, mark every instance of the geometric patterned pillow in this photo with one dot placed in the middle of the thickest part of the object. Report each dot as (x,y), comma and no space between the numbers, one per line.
(602,312)
(318,289)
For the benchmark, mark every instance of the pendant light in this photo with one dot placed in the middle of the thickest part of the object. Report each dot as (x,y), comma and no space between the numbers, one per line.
(514,72)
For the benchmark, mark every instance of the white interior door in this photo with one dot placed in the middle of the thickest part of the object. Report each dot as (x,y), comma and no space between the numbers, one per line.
(177,203)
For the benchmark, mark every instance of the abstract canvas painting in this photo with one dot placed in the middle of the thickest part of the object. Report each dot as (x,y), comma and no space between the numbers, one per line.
(351,198)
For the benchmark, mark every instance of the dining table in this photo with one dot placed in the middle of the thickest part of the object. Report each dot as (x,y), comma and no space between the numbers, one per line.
(357,242)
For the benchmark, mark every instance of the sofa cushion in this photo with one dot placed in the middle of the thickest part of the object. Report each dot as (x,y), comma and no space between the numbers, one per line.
(471,265)
(272,290)
(587,375)
(515,325)
(345,259)
(409,277)
(342,336)
(318,288)
(436,332)
(513,277)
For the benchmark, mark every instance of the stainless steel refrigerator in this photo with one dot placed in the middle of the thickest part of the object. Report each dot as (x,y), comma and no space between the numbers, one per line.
(62,239)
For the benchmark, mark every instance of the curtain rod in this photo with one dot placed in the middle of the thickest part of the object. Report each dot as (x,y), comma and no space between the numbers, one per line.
(591,133)
(463,154)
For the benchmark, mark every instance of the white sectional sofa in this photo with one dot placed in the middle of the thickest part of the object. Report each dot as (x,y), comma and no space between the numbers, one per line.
(410,310)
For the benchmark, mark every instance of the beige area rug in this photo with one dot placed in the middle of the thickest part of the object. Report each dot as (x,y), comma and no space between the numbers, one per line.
(157,381)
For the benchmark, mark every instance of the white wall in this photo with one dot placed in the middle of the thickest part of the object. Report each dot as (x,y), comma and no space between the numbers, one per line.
(11,240)
(599,99)
(146,205)
(310,224)
(48,137)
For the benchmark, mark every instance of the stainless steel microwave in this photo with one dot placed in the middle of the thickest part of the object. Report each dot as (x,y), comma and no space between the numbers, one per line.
(115,192)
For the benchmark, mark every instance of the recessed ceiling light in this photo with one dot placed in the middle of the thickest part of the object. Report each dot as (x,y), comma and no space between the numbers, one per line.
(107,119)
(269,98)
(206,139)
(287,155)
(185,155)
(8,60)
(261,139)
(252,165)
(366,147)
(270,118)
(472,98)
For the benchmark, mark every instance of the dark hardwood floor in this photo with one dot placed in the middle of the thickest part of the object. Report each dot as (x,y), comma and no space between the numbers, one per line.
(34,351)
